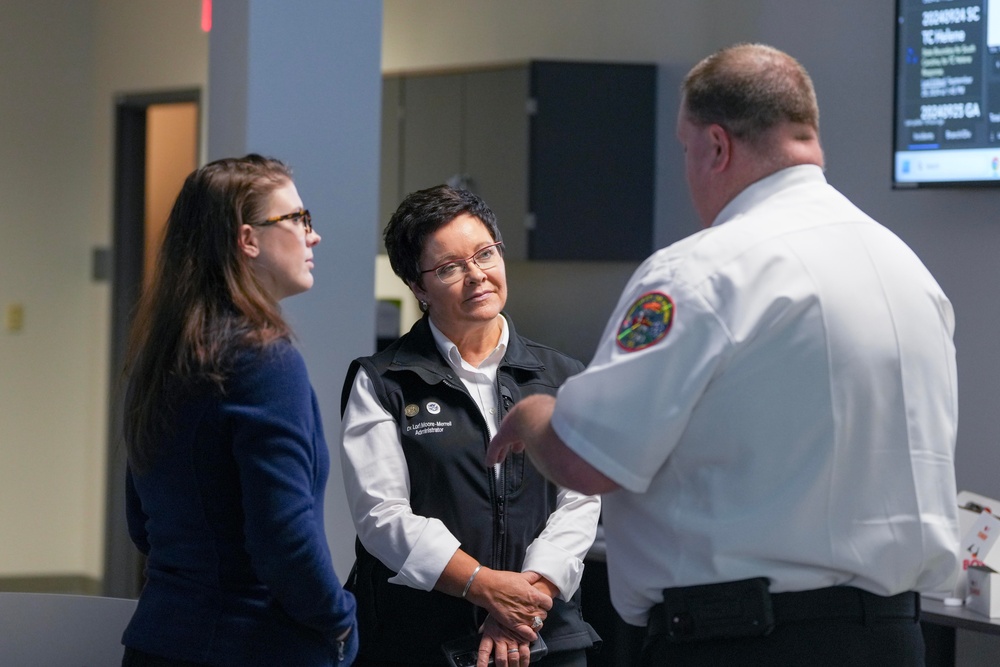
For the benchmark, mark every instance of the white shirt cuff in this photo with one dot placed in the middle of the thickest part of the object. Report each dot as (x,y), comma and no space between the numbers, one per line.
(557,565)
(428,557)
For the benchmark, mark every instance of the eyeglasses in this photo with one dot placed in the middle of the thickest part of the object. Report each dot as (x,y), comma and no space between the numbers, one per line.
(452,271)
(302,214)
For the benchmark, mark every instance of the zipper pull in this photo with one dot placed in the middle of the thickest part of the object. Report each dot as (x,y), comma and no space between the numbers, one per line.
(508,399)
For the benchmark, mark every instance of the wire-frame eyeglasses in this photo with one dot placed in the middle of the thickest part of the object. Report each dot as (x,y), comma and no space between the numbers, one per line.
(453,270)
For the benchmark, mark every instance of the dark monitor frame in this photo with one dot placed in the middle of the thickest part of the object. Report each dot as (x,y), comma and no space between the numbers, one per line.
(927,165)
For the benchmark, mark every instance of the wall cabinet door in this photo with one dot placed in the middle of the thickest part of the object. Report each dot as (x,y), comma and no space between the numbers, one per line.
(390,172)
(562,152)
(467,129)
(496,149)
(432,130)
(591,164)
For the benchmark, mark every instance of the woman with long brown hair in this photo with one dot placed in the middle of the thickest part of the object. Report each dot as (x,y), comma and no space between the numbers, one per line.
(227,463)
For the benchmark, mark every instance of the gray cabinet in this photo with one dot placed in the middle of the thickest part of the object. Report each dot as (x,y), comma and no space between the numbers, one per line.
(562,151)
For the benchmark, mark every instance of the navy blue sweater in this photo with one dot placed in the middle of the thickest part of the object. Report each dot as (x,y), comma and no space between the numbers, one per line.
(230,515)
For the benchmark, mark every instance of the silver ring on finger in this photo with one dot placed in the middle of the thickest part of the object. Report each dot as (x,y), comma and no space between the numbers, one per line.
(512,650)
(536,622)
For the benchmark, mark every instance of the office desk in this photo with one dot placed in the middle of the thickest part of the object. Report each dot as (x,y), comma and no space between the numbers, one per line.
(940,622)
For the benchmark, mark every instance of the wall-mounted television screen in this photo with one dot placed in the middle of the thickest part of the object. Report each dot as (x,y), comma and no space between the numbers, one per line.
(947,97)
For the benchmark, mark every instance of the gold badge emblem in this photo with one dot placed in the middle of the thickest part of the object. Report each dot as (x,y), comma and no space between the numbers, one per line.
(411,410)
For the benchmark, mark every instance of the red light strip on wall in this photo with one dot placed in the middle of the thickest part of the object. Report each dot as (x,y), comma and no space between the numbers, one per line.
(206,15)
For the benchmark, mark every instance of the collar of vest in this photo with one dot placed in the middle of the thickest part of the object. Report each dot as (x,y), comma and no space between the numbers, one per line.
(418,352)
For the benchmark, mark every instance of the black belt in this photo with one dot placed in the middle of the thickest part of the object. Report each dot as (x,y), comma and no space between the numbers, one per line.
(843,603)
(834,603)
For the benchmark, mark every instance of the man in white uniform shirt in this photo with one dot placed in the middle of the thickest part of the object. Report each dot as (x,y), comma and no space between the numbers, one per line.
(772,409)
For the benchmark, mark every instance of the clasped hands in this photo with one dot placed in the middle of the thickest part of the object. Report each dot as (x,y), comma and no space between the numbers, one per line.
(518,604)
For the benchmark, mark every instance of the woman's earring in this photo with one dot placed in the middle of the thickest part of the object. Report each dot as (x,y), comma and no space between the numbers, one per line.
(423,306)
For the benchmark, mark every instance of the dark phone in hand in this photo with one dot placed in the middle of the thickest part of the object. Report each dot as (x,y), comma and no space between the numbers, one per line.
(462,652)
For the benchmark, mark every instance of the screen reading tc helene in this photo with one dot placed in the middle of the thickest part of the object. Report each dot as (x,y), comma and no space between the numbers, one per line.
(947,115)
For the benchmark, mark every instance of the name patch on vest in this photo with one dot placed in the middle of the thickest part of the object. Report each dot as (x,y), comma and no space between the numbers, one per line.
(423,428)
(647,322)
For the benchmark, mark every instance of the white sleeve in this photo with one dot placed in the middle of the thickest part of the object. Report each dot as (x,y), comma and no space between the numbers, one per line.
(558,551)
(625,413)
(377,483)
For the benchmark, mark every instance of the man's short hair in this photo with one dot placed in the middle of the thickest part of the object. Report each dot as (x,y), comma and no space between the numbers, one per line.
(749,89)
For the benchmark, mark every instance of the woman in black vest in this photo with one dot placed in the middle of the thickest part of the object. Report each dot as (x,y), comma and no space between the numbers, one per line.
(447,547)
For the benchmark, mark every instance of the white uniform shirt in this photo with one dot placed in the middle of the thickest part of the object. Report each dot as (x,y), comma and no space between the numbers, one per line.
(376,479)
(797,421)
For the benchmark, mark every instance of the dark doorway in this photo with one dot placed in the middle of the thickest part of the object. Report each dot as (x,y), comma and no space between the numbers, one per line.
(136,229)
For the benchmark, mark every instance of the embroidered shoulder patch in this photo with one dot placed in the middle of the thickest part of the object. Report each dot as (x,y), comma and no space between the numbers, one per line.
(647,322)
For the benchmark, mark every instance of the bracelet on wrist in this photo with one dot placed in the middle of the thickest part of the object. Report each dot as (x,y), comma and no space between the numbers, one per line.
(472,576)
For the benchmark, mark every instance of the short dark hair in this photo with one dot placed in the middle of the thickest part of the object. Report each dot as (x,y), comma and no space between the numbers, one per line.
(749,89)
(421,214)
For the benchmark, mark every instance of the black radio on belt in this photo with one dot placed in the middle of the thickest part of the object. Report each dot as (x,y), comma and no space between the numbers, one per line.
(733,609)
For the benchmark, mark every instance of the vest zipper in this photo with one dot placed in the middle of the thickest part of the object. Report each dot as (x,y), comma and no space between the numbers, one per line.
(504,403)
(498,484)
